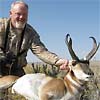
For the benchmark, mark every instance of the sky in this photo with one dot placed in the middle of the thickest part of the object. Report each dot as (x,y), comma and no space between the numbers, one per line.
(53,19)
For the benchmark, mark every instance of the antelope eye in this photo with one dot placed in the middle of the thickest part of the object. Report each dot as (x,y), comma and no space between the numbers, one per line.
(74,62)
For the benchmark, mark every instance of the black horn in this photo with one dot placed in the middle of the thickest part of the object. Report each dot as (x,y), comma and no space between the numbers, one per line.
(94,49)
(68,41)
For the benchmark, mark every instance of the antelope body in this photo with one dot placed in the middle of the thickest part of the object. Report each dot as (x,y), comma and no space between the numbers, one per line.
(42,87)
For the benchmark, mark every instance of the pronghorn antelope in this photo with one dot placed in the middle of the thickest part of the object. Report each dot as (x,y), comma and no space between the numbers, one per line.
(39,86)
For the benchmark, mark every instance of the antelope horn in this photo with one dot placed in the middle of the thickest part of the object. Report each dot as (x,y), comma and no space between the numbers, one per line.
(94,49)
(68,41)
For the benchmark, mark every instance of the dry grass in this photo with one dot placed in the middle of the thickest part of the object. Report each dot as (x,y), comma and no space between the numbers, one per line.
(92,91)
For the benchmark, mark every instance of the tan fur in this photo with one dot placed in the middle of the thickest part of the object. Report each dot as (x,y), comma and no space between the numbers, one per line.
(68,85)
(59,87)
(53,87)
(7,80)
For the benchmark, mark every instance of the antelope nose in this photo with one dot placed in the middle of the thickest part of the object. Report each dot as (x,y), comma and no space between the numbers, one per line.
(91,73)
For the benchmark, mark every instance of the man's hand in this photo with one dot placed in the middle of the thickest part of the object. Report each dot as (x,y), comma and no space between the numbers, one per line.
(63,64)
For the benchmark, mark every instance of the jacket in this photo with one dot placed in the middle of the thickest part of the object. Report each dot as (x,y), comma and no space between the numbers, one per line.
(31,40)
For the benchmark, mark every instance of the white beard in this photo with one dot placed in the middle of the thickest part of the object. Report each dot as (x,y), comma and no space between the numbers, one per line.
(19,25)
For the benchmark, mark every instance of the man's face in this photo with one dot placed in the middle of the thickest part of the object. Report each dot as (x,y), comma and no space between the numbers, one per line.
(19,15)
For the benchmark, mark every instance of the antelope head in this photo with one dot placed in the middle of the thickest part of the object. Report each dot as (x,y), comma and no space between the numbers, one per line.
(79,68)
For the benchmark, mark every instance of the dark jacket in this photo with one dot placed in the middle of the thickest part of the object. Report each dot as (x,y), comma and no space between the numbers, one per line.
(31,40)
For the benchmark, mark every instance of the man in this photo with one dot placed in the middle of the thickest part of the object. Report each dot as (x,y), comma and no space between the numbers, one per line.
(16,38)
